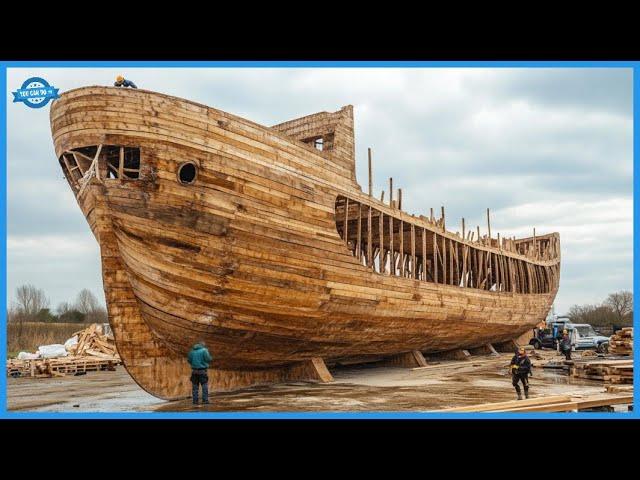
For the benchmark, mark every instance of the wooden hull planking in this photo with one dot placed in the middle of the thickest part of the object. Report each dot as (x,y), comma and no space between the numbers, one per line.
(262,256)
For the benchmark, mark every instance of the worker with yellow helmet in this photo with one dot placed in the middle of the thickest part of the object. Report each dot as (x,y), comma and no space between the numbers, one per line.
(122,82)
(520,371)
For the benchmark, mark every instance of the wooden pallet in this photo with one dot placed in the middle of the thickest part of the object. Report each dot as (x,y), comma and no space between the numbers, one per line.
(60,367)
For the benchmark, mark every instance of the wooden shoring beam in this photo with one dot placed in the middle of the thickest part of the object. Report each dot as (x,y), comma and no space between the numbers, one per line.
(478,227)
(505,274)
(392,257)
(458,273)
(66,162)
(80,154)
(424,254)
(435,258)
(359,230)
(507,278)
(495,274)
(96,162)
(413,252)
(489,227)
(489,271)
(399,199)
(464,265)
(401,252)
(444,260)
(369,238)
(345,228)
(391,192)
(444,228)
(381,241)
(82,170)
(511,276)
(121,165)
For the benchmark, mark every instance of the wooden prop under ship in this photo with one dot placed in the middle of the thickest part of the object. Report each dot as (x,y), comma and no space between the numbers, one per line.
(255,240)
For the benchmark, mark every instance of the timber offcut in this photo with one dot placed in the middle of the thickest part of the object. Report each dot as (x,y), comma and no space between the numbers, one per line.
(259,241)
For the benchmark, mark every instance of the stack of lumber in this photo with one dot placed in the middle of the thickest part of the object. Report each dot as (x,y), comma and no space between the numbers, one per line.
(619,388)
(622,342)
(93,352)
(556,403)
(610,371)
(91,342)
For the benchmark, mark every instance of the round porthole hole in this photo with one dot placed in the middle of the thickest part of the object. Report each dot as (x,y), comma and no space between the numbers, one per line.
(187,173)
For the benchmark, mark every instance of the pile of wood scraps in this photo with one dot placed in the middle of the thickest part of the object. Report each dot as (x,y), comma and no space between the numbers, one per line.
(93,351)
(91,342)
(622,342)
(610,371)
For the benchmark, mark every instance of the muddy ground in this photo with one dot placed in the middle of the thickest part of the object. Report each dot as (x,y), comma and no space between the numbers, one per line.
(357,388)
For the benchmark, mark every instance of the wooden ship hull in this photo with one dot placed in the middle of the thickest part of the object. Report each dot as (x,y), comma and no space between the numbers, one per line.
(212,227)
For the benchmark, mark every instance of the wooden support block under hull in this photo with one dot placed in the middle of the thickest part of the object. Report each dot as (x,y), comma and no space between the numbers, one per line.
(457,354)
(510,346)
(313,370)
(486,349)
(411,359)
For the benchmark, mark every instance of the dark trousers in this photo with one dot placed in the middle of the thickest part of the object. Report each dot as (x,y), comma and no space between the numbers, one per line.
(515,379)
(200,377)
(567,354)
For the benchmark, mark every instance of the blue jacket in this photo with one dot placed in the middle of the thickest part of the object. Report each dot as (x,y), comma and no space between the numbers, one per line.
(199,357)
(125,83)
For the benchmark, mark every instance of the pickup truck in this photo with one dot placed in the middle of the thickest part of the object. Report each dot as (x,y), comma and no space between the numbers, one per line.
(587,337)
(583,336)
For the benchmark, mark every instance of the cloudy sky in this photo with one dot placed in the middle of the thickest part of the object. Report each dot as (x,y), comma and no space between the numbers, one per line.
(544,148)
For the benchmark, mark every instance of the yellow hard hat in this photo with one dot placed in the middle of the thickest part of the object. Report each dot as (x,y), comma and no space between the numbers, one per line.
(119,78)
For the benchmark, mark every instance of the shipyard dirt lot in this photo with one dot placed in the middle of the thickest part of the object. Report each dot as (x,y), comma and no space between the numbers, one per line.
(446,384)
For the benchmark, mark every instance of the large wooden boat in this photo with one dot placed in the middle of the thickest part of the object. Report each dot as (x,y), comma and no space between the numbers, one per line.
(259,241)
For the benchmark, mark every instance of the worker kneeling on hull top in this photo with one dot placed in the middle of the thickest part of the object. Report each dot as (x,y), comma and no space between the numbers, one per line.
(520,371)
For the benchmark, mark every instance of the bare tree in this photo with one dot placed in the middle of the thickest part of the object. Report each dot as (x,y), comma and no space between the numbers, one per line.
(621,303)
(86,302)
(63,307)
(29,301)
(90,307)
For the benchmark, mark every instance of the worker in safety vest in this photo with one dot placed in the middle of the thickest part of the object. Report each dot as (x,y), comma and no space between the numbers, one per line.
(520,370)
(122,82)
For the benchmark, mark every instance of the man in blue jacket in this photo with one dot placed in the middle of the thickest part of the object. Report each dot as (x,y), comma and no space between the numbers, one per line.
(199,359)
(122,82)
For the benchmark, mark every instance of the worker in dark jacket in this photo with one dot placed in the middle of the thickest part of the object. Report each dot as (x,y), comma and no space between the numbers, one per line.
(565,345)
(520,371)
(122,82)
(199,359)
